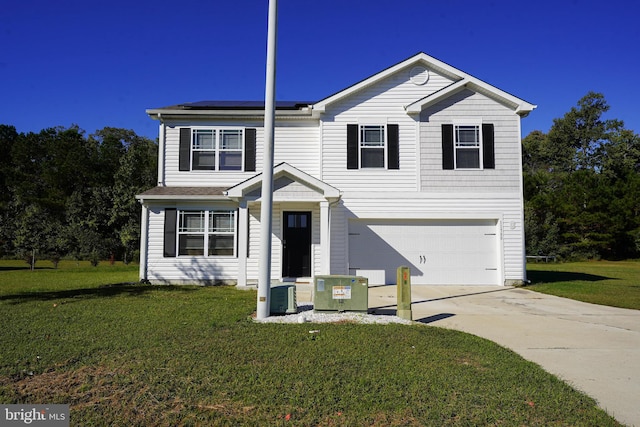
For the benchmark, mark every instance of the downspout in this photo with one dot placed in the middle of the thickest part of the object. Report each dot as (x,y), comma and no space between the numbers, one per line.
(524,247)
(161,145)
(331,205)
(143,242)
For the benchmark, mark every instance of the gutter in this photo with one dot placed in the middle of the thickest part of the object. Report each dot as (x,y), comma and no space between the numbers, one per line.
(156,114)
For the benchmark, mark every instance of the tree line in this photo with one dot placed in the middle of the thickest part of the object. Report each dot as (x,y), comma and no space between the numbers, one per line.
(582,186)
(65,194)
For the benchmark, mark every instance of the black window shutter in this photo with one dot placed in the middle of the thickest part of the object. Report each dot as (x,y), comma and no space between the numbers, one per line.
(393,150)
(352,146)
(250,150)
(170,218)
(488,154)
(447,147)
(185,149)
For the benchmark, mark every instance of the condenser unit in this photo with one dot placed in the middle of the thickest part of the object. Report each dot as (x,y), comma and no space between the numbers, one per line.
(283,299)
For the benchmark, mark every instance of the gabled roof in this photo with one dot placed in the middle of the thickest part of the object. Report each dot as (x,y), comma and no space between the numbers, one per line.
(305,109)
(284,169)
(460,79)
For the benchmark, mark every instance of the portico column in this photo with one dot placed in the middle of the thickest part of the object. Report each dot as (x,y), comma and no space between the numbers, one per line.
(243,242)
(144,233)
(325,238)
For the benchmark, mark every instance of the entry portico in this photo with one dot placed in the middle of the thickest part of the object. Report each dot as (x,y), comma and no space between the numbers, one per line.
(296,196)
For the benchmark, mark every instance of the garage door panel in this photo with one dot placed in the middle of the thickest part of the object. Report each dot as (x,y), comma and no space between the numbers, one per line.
(437,251)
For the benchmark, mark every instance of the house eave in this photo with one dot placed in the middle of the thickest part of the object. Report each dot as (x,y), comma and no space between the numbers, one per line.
(144,199)
(240,190)
(161,193)
(420,58)
(163,113)
(519,106)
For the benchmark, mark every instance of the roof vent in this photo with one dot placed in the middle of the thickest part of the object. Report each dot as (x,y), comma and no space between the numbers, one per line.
(419,75)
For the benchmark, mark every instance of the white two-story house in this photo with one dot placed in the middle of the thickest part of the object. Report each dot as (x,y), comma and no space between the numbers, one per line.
(418,165)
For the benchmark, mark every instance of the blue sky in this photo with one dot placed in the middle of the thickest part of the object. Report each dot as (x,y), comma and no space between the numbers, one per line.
(98,63)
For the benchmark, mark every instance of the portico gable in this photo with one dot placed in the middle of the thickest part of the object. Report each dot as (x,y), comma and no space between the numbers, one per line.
(293,191)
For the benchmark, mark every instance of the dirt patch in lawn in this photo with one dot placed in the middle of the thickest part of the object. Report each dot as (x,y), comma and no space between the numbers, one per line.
(112,396)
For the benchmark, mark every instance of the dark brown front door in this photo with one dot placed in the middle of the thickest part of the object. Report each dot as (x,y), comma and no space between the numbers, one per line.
(296,244)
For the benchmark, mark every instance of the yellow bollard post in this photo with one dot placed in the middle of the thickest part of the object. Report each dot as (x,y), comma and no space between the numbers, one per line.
(403,284)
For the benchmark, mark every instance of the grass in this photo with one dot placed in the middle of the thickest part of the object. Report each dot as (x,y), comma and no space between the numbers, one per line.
(138,355)
(612,283)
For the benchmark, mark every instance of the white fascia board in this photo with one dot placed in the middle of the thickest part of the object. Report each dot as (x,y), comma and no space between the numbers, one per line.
(519,106)
(157,114)
(284,169)
(159,198)
(436,97)
(421,58)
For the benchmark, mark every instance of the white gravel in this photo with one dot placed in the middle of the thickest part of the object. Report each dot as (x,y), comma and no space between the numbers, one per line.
(306,314)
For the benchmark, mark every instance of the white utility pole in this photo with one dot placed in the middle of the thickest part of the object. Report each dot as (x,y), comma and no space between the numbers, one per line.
(266,205)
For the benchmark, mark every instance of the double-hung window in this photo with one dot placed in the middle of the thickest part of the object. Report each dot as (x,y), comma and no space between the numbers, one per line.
(372,146)
(230,150)
(203,149)
(467,146)
(191,233)
(209,232)
(217,149)
(222,227)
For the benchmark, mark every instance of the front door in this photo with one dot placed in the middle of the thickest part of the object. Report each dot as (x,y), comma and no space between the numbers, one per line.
(296,244)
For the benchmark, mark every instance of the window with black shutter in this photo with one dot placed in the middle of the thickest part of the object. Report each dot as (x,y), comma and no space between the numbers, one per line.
(468,146)
(373,146)
(217,149)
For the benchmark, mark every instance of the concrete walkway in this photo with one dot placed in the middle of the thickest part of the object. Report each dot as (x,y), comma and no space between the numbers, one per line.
(594,348)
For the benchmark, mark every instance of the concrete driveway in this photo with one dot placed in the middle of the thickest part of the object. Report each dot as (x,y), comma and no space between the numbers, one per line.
(594,348)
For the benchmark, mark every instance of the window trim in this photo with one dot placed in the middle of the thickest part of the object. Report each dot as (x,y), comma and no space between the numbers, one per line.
(206,231)
(457,146)
(479,147)
(217,148)
(361,146)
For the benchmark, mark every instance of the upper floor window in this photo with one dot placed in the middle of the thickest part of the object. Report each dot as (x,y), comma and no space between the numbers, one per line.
(467,143)
(468,146)
(217,149)
(373,147)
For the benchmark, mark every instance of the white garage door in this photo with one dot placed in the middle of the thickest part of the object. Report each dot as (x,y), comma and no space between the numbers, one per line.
(439,252)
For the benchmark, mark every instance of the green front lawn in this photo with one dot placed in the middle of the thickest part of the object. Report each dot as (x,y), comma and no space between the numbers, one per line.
(613,283)
(136,355)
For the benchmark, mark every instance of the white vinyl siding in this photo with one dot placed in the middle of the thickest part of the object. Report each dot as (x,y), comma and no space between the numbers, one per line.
(183,269)
(475,107)
(276,241)
(380,103)
(297,143)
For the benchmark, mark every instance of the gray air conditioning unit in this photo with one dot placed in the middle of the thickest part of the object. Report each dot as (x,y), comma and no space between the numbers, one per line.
(283,299)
